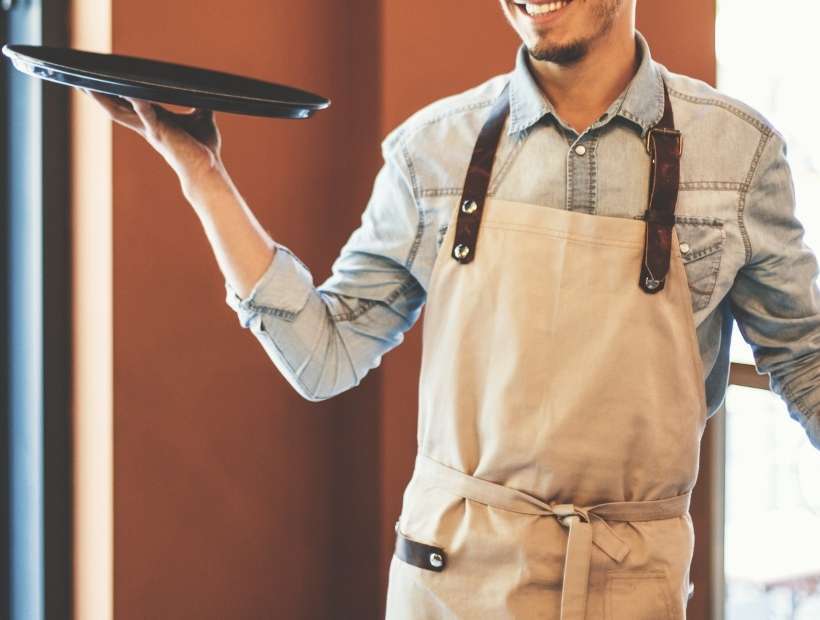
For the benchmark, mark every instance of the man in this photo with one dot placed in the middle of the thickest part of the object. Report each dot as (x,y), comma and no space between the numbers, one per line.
(581,231)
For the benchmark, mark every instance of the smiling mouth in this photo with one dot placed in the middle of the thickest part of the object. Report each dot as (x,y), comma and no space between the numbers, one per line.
(543,8)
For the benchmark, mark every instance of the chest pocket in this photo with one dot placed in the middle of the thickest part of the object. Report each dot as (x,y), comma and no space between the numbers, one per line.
(701,249)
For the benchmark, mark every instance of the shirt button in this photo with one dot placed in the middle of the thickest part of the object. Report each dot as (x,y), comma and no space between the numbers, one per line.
(580,149)
(684,248)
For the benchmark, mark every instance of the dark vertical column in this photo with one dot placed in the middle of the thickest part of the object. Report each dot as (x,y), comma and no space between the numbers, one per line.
(56,330)
(356,499)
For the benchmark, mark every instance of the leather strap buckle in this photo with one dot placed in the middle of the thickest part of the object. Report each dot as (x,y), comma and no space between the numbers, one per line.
(663,131)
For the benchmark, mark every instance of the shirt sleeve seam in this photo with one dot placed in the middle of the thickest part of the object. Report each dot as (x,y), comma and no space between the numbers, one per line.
(288,315)
(416,191)
(765,137)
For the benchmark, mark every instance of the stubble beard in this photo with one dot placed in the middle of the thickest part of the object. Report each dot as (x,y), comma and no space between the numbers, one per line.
(571,53)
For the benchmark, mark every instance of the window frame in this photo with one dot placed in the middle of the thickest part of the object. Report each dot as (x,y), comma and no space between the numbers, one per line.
(35,346)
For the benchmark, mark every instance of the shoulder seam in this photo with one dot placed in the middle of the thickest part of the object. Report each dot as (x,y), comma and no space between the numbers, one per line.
(401,144)
(720,103)
(410,132)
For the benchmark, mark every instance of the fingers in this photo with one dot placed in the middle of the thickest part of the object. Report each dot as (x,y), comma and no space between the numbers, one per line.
(117,110)
(147,113)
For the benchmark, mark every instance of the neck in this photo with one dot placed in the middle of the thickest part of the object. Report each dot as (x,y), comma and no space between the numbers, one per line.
(582,92)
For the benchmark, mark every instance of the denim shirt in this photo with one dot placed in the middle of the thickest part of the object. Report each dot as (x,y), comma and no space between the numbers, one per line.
(741,244)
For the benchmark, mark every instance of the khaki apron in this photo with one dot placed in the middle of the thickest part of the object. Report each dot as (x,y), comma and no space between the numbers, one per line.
(561,412)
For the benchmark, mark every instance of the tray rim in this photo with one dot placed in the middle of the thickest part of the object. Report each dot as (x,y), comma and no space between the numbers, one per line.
(14,53)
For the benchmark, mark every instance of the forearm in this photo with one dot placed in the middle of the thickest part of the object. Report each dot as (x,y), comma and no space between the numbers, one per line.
(323,339)
(241,246)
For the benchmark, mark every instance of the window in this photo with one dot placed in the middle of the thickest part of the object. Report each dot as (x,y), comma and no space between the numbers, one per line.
(35,439)
(766,54)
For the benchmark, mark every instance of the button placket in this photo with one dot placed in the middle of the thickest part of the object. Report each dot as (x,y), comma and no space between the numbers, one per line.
(581,172)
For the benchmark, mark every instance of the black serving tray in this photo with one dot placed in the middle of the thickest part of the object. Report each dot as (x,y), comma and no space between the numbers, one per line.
(164,82)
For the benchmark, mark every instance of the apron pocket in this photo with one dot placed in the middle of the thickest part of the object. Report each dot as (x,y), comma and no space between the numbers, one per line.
(429,557)
(638,595)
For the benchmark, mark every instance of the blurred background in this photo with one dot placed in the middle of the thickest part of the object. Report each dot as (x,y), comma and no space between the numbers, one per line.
(156,465)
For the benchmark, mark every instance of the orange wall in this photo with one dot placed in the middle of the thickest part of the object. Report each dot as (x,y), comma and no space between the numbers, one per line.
(230,490)
(233,497)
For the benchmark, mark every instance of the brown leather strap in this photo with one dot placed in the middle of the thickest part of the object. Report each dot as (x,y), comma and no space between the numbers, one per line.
(419,554)
(478,179)
(664,144)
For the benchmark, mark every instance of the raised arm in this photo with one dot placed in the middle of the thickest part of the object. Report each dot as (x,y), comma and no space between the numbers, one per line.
(325,339)
(322,339)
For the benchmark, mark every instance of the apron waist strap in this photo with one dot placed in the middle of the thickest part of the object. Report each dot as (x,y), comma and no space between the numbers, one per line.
(576,518)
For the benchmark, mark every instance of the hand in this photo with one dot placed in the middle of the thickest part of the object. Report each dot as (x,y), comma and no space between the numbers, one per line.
(189,142)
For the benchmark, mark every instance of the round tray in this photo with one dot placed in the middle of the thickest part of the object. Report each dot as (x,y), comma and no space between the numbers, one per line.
(164,82)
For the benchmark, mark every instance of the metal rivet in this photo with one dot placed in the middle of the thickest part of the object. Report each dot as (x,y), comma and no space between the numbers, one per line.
(652,284)
(684,248)
(581,149)
(469,206)
(436,560)
(461,251)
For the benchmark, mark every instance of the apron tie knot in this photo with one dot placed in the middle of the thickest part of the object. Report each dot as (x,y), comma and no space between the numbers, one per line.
(565,513)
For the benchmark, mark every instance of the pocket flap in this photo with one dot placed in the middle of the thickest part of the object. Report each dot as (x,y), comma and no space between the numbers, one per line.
(698,236)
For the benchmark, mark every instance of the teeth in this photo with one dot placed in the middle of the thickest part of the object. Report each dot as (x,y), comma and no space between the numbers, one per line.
(541,9)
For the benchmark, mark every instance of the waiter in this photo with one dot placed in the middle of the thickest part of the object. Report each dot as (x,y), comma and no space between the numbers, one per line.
(582,231)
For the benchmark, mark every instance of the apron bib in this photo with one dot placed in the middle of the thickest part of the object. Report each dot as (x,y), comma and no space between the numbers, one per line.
(561,411)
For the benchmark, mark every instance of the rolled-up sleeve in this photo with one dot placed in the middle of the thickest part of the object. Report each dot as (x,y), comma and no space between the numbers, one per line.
(324,339)
(775,298)
(282,291)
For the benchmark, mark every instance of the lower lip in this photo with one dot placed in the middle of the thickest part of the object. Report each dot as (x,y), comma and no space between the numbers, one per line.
(544,18)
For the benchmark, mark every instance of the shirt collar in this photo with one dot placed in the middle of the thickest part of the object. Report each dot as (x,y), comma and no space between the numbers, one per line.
(640,102)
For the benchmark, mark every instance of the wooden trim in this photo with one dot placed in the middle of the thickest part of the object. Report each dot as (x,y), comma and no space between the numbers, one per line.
(747,375)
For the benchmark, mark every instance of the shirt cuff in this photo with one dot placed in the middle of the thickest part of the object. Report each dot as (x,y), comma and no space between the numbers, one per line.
(282,291)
